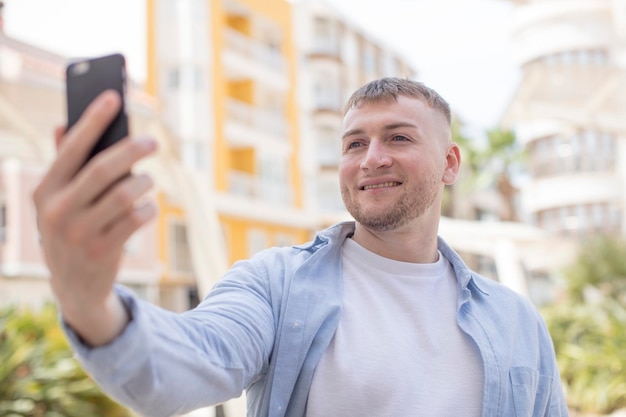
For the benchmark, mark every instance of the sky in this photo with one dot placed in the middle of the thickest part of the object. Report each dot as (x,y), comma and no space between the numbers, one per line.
(461,48)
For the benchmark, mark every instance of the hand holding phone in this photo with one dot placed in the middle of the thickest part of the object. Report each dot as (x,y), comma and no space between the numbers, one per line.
(85,216)
(85,80)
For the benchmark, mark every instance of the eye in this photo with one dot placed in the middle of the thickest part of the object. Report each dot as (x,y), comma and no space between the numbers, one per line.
(353,145)
(399,138)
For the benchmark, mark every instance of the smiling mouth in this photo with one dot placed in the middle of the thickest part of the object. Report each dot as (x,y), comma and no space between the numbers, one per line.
(382,185)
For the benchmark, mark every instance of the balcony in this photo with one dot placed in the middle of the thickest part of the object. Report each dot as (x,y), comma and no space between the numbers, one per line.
(251,186)
(328,101)
(328,151)
(546,28)
(245,57)
(247,125)
(570,190)
(326,49)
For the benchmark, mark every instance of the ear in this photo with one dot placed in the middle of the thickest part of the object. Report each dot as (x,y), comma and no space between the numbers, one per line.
(453,163)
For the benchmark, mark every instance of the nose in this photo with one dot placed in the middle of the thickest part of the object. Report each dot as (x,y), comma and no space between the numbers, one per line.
(377,156)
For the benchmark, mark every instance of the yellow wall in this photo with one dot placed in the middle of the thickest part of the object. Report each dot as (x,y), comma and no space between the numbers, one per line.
(236,230)
(278,11)
(289,49)
(151,70)
(227,158)
(242,90)
(220,94)
(244,160)
(239,23)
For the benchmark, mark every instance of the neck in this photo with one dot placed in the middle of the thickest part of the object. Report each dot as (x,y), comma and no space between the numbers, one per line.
(408,244)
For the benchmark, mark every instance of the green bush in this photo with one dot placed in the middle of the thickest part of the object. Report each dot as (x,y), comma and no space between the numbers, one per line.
(38,375)
(590,342)
(589,328)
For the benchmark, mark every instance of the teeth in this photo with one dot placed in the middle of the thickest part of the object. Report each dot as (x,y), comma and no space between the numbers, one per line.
(384,184)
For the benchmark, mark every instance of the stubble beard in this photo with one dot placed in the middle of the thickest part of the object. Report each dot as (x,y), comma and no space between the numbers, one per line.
(411,205)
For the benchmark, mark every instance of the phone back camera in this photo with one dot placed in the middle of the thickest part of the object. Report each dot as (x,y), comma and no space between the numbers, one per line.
(80,68)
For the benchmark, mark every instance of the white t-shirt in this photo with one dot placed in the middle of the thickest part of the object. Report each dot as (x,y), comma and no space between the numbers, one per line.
(398,350)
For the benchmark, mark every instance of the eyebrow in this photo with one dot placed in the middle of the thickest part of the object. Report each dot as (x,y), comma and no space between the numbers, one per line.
(391,126)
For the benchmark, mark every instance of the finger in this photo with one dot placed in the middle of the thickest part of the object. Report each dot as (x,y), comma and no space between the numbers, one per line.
(106,168)
(75,145)
(81,138)
(120,200)
(59,134)
(123,229)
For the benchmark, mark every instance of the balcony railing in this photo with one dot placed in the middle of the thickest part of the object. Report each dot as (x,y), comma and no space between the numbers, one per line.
(254,187)
(257,119)
(244,185)
(326,47)
(549,167)
(327,101)
(255,50)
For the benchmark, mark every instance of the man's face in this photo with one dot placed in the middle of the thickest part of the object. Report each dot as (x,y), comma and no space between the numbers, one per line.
(395,160)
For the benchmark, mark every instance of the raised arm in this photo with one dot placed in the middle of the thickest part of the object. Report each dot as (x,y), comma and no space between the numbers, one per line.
(85,215)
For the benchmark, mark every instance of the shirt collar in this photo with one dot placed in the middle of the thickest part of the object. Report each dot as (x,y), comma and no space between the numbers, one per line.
(341,231)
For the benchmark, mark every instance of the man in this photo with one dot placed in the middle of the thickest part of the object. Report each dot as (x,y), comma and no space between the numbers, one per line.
(377,317)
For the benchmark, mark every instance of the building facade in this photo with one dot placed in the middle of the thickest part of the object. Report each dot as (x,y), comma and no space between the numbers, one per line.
(569,114)
(32,104)
(335,57)
(224,75)
(245,98)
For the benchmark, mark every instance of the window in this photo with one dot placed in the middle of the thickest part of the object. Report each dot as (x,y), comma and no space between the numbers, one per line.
(284,239)
(323,28)
(194,154)
(368,59)
(328,146)
(326,37)
(593,218)
(257,241)
(590,57)
(186,78)
(329,196)
(326,91)
(583,151)
(180,253)
(274,177)
(3,221)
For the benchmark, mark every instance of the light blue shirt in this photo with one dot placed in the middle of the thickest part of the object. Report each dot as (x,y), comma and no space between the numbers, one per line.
(266,324)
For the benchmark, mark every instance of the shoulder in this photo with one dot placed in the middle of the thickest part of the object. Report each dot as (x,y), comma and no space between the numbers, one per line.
(326,241)
(487,293)
(508,313)
(286,259)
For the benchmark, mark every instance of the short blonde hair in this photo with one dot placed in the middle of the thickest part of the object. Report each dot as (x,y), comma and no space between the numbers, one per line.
(390,88)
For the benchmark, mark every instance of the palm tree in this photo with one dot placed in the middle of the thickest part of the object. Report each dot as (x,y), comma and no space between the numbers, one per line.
(455,195)
(502,156)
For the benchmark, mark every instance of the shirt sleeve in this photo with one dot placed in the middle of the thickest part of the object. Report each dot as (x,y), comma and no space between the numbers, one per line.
(166,363)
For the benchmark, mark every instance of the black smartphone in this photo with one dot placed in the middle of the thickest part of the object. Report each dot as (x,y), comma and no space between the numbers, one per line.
(85,80)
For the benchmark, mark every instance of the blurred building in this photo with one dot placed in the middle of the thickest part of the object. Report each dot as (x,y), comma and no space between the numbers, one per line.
(245,99)
(32,104)
(335,57)
(569,112)
(224,74)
